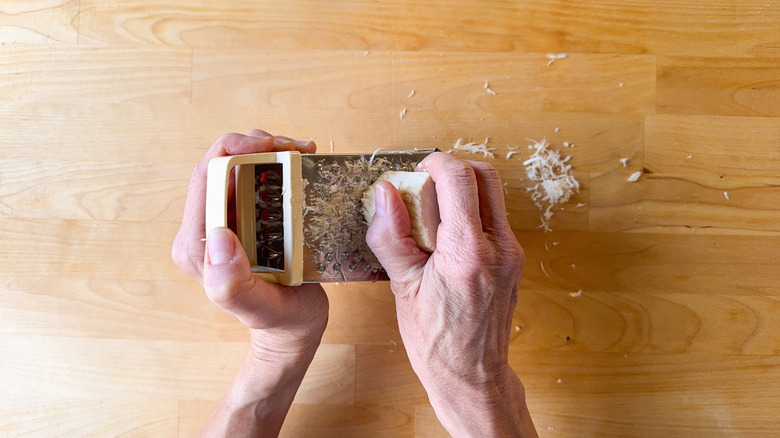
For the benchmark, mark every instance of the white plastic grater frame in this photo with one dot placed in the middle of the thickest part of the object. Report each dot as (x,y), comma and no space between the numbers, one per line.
(292,207)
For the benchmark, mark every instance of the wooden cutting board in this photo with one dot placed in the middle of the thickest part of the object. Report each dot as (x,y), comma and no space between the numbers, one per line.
(106,106)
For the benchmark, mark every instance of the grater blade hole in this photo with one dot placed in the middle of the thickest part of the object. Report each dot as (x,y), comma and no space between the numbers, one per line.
(269,216)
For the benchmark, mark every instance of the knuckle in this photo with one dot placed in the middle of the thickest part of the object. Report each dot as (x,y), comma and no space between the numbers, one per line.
(186,261)
(486,172)
(229,138)
(230,141)
(178,254)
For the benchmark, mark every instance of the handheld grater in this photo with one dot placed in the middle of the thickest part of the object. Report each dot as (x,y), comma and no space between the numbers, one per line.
(294,212)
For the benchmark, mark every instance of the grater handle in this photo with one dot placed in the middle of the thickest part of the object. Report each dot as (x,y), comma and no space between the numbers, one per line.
(292,193)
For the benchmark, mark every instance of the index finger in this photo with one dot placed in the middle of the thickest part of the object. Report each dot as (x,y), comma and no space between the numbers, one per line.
(456,190)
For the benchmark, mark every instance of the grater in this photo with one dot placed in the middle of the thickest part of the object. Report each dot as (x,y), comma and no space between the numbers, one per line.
(298,216)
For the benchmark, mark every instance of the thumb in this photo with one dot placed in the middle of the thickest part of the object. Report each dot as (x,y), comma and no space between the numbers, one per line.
(390,236)
(227,277)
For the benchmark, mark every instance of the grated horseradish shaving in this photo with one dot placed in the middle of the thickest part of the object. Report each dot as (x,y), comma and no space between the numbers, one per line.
(554,57)
(634,176)
(555,182)
(475,148)
(544,270)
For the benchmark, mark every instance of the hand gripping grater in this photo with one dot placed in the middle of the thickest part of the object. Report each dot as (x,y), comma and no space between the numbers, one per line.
(298,217)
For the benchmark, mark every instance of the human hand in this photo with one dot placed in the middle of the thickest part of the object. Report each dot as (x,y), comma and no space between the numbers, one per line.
(285,323)
(455,305)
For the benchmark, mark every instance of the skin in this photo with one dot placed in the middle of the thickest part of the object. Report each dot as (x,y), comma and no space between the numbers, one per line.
(470,282)
(285,323)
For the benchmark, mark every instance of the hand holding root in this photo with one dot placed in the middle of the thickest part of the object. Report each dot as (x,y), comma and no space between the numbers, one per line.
(455,305)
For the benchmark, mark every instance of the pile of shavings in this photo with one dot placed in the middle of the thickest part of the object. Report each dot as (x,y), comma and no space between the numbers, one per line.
(334,224)
(555,183)
(475,148)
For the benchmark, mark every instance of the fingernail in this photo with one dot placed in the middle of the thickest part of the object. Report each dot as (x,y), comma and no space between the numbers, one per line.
(302,143)
(221,246)
(381,200)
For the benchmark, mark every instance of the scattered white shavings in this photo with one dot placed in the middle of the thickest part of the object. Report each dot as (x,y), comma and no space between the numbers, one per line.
(624,161)
(559,381)
(365,53)
(565,144)
(544,270)
(517,328)
(555,182)
(726,195)
(487,88)
(403,113)
(556,243)
(546,248)
(411,93)
(634,176)
(572,266)
(512,150)
(620,85)
(475,148)
(689,156)
(557,130)
(580,205)
(555,56)
(576,294)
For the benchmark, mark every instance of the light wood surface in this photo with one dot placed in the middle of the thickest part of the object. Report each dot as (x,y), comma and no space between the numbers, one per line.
(106,105)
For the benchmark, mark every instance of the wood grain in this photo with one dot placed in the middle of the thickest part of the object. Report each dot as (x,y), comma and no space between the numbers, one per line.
(427,425)
(106,106)
(747,28)
(524,82)
(307,420)
(38,22)
(84,190)
(152,370)
(718,172)
(617,394)
(244,77)
(721,86)
(98,249)
(94,74)
(305,24)
(102,417)
(654,263)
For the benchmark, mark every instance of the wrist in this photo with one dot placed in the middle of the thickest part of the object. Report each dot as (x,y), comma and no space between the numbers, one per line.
(276,361)
(262,392)
(494,407)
